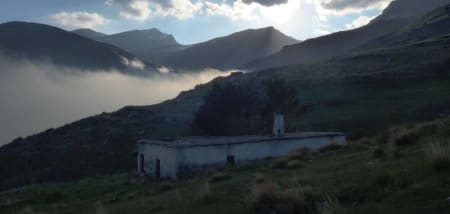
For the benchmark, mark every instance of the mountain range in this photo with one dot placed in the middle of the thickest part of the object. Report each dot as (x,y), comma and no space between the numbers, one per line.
(227,52)
(50,44)
(232,51)
(398,14)
(151,45)
(396,71)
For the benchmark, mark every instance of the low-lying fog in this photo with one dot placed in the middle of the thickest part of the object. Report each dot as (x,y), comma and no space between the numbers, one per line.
(38,96)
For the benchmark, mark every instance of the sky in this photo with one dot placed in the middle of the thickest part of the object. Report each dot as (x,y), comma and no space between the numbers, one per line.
(192,21)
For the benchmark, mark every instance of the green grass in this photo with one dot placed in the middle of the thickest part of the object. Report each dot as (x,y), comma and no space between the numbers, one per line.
(351,178)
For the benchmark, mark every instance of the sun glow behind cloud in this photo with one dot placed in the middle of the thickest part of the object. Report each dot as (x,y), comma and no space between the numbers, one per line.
(194,21)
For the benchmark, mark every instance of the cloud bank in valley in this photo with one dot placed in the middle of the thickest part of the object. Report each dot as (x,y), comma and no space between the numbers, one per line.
(38,96)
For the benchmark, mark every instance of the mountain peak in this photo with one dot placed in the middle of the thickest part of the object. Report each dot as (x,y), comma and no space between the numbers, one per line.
(89,33)
(409,9)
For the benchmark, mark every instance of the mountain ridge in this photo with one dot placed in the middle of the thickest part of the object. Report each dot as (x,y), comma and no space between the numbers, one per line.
(43,42)
(231,51)
(328,46)
(150,44)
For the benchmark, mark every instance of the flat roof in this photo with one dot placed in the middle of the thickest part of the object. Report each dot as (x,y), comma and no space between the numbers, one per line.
(209,140)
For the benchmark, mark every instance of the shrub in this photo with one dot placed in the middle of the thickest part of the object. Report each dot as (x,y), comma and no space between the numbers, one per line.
(404,137)
(280,163)
(269,198)
(379,153)
(438,155)
(301,154)
(330,206)
(206,196)
(331,147)
(259,178)
(166,186)
(219,176)
(294,164)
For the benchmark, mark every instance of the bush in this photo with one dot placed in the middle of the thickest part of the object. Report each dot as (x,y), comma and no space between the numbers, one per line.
(303,154)
(404,137)
(269,198)
(438,155)
(259,178)
(166,186)
(294,164)
(331,147)
(379,153)
(280,163)
(219,176)
(330,206)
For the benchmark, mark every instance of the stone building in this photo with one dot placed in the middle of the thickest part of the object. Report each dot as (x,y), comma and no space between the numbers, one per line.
(173,157)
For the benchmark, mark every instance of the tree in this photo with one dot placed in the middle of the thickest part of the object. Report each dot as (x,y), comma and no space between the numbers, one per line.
(227,110)
(236,109)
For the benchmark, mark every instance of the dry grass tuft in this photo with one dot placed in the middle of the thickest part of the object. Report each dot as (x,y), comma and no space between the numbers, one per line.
(219,176)
(402,136)
(269,198)
(331,206)
(438,154)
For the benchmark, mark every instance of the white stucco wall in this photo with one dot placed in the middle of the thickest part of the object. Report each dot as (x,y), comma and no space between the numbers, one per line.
(166,156)
(175,160)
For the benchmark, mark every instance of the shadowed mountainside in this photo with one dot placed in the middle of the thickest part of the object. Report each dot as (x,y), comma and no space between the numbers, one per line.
(360,94)
(46,43)
(151,45)
(230,52)
(397,15)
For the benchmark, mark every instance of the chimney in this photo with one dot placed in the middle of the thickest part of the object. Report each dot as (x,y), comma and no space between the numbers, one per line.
(278,124)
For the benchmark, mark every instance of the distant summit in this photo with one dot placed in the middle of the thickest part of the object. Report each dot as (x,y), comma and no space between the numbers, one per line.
(151,45)
(44,42)
(398,14)
(88,33)
(232,51)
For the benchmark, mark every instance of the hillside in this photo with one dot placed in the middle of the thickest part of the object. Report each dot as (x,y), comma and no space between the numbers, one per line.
(435,24)
(397,15)
(88,33)
(339,95)
(232,51)
(393,172)
(49,44)
(361,94)
(151,45)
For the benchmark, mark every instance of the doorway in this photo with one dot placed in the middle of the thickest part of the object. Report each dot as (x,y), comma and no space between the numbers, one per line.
(158,168)
(230,160)
(141,163)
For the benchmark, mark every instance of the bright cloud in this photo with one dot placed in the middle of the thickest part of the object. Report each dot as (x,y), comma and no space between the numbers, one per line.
(144,9)
(180,9)
(79,19)
(359,22)
(132,9)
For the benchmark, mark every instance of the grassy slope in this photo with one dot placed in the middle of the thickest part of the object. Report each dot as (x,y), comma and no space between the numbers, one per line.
(400,181)
(359,94)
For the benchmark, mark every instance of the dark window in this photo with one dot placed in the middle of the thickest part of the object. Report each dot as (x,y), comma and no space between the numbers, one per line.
(230,160)
(158,168)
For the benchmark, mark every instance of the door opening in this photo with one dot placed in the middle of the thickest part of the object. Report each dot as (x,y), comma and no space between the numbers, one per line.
(158,168)
(141,163)
(230,160)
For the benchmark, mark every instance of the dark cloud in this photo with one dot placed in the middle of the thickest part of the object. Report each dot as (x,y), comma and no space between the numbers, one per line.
(266,2)
(163,3)
(350,4)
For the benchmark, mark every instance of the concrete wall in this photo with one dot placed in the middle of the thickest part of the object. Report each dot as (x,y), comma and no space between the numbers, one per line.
(194,158)
(176,161)
(165,155)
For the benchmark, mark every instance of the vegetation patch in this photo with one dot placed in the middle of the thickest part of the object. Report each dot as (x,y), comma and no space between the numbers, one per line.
(438,155)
